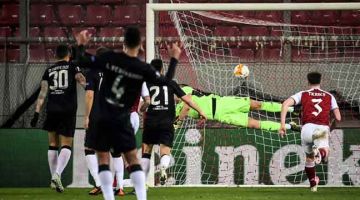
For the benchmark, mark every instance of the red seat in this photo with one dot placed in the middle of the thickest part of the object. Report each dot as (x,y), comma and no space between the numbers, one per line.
(11,55)
(245,55)
(138,2)
(125,15)
(269,55)
(10,14)
(326,18)
(111,1)
(226,31)
(5,31)
(42,14)
(300,17)
(272,16)
(300,55)
(168,31)
(98,15)
(111,32)
(254,31)
(70,14)
(77,30)
(39,53)
(55,32)
(33,32)
(164,18)
(340,31)
(349,18)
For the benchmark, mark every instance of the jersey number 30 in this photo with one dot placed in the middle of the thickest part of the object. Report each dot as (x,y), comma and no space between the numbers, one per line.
(317,106)
(60,79)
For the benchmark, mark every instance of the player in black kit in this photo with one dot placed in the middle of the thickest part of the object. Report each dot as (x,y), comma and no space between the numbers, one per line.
(159,119)
(59,83)
(124,74)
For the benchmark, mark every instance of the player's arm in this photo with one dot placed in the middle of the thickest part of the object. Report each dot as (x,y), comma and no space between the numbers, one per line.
(184,111)
(284,109)
(337,114)
(89,99)
(189,103)
(145,97)
(40,102)
(80,78)
(152,76)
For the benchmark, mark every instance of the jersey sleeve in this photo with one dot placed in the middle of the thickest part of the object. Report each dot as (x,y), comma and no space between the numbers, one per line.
(297,97)
(45,76)
(188,90)
(90,83)
(334,104)
(144,90)
(177,90)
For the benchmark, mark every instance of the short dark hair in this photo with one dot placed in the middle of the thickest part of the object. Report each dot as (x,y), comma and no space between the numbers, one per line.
(157,64)
(62,51)
(132,37)
(314,78)
(102,50)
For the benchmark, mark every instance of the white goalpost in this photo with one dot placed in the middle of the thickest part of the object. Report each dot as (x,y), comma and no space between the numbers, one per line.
(222,155)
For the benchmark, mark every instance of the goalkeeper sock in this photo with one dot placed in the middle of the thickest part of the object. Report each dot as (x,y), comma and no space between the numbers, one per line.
(165,161)
(273,107)
(119,171)
(138,179)
(145,163)
(93,166)
(310,172)
(63,159)
(269,125)
(106,180)
(52,158)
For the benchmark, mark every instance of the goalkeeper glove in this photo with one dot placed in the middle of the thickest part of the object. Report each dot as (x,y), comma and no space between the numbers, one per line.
(34,119)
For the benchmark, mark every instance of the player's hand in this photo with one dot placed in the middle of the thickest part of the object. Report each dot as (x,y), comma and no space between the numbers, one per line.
(34,120)
(203,116)
(282,131)
(174,50)
(83,37)
(86,122)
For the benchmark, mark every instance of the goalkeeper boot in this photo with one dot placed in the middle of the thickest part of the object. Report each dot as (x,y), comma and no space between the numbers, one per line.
(56,180)
(95,191)
(317,154)
(163,176)
(314,188)
(295,127)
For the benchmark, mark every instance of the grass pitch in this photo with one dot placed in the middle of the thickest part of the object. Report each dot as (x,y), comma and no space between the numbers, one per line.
(191,194)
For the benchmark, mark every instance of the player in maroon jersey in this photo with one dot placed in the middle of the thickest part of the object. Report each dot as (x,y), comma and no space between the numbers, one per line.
(316,106)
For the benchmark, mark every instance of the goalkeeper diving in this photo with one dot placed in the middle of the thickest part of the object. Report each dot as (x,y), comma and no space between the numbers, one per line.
(231,110)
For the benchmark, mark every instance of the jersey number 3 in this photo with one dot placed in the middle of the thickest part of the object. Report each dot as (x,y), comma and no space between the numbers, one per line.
(317,106)
(60,79)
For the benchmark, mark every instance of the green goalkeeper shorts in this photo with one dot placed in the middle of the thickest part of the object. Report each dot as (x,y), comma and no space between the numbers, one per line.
(233,110)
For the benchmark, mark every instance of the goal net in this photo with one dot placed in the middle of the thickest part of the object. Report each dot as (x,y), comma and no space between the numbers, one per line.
(280,48)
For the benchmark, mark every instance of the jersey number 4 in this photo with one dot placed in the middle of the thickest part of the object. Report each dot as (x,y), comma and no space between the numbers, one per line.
(317,106)
(157,89)
(60,79)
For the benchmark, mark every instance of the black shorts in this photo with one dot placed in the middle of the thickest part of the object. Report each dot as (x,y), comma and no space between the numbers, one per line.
(114,135)
(61,124)
(156,135)
(87,138)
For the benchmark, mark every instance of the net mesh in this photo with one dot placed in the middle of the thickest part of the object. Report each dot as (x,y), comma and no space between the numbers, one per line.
(279,55)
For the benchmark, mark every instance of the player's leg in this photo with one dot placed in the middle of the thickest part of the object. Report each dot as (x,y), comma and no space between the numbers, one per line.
(146,156)
(92,163)
(307,144)
(105,174)
(93,167)
(136,174)
(53,153)
(165,152)
(135,121)
(118,164)
(267,106)
(321,143)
